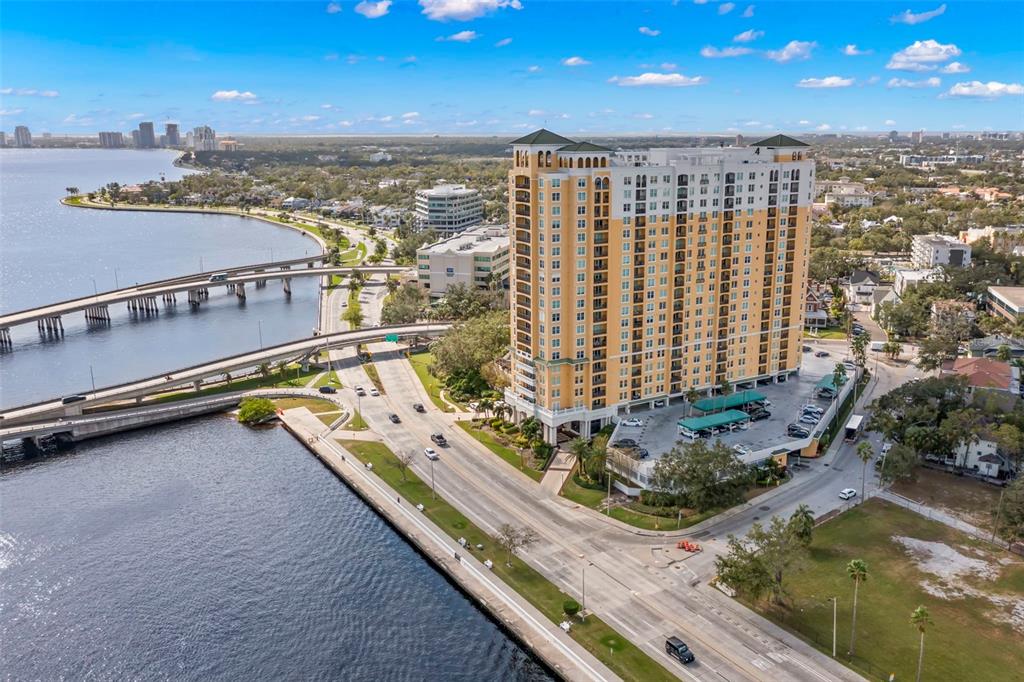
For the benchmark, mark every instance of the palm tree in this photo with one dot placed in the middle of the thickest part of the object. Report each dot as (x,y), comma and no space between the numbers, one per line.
(802,524)
(580,447)
(692,396)
(1003,353)
(857,569)
(866,453)
(921,620)
(486,405)
(264,370)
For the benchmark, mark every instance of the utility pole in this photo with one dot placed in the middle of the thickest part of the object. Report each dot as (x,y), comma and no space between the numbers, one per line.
(93,378)
(608,499)
(432,495)
(259,326)
(999,511)
(835,601)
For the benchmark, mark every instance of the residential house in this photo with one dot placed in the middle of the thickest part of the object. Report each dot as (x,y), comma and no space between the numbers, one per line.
(950,313)
(816,306)
(295,204)
(988,347)
(985,373)
(911,278)
(1003,239)
(861,287)
(881,295)
(982,458)
(932,250)
(1007,301)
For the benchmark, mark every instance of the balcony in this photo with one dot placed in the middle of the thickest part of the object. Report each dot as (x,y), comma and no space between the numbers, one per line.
(523,236)
(522,196)
(523,210)
(523,249)
(522,223)
(522,182)
(522,262)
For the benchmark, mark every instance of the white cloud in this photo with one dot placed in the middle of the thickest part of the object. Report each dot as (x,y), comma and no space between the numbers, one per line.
(932,82)
(535,112)
(988,90)
(464,10)
(534,69)
(794,50)
(726,7)
(647,31)
(466,124)
(668,66)
(804,123)
(233,96)
(671,80)
(503,42)
(716,53)
(12,112)
(411,59)
(137,115)
(575,61)
(645,116)
(823,127)
(373,10)
(345,124)
(752,124)
(386,119)
(29,92)
(826,82)
(955,67)
(75,119)
(852,50)
(460,37)
(890,122)
(310,118)
(908,17)
(409,115)
(747,36)
(922,55)
(748,12)
(333,7)
(861,129)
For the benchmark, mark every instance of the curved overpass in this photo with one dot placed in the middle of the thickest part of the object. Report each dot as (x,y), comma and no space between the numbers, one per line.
(144,296)
(188,376)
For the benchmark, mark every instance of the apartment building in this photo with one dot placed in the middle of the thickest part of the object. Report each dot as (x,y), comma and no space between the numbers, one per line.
(1007,239)
(448,209)
(478,257)
(204,139)
(640,275)
(147,136)
(933,250)
(111,140)
(22,136)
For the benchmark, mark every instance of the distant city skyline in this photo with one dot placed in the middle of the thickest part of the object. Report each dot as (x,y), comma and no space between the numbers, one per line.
(477,67)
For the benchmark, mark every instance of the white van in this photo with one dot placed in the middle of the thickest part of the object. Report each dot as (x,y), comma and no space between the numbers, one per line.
(688,434)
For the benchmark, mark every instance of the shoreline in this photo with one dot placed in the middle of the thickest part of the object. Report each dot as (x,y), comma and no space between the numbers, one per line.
(85,203)
(515,625)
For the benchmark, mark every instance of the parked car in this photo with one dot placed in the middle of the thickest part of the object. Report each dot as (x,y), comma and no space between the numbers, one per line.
(808,419)
(741,449)
(821,353)
(759,415)
(360,391)
(807,349)
(439,439)
(431,453)
(394,418)
(677,649)
(798,431)
(633,421)
(328,389)
(418,407)
(886,447)
(812,408)
(624,443)
(374,391)
(659,403)
(847,494)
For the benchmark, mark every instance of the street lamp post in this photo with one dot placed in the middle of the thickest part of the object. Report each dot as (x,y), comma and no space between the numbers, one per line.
(834,603)
(116,285)
(93,378)
(95,289)
(259,326)
(432,495)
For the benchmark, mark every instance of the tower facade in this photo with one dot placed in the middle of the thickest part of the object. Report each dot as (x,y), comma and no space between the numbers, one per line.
(637,276)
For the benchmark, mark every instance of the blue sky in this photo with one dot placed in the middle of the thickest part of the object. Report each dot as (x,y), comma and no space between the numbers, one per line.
(503,66)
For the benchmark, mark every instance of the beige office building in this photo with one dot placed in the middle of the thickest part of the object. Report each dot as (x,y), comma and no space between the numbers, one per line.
(477,257)
(639,275)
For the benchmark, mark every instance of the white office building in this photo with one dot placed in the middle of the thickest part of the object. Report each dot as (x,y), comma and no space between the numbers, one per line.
(448,209)
(22,137)
(204,139)
(933,250)
(475,257)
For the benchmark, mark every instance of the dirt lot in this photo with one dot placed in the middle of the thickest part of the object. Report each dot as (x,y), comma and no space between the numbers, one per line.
(966,498)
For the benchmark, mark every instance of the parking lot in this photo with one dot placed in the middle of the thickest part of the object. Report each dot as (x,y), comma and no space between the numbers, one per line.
(660,433)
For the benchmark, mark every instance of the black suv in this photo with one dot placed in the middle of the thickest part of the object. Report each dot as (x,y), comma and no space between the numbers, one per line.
(395,419)
(624,443)
(798,431)
(418,407)
(438,439)
(676,648)
(759,414)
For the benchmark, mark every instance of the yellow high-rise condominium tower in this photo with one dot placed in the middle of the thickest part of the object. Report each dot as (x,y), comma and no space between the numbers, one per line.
(640,275)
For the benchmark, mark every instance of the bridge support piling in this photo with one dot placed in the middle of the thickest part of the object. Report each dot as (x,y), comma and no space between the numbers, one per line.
(197,384)
(5,338)
(287,282)
(240,290)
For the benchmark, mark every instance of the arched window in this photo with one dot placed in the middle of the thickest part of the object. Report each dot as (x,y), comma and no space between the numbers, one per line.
(588,162)
(548,160)
(604,162)
(540,158)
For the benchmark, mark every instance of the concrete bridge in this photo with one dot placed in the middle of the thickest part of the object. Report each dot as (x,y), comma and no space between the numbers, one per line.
(144,297)
(191,377)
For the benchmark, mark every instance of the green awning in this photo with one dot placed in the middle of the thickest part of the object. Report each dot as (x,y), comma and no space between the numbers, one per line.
(828,382)
(726,402)
(713,420)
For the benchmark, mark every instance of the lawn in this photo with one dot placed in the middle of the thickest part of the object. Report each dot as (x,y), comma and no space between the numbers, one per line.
(828,333)
(328,379)
(421,365)
(374,375)
(508,454)
(325,410)
(620,655)
(967,641)
(356,423)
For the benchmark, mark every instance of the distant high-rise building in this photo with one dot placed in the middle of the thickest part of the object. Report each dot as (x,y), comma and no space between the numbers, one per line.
(204,139)
(188,139)
(147,136)
(448,209)
(172,135)
(894,135)
(3,139)
(945,136)
(22,137)
(917,137)
(739,140)
(136,138)
(111,140)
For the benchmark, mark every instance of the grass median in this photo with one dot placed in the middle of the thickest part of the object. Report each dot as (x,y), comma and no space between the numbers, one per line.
(607,645)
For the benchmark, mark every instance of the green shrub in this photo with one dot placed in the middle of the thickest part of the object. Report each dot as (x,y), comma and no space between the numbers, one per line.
(571,607)
(496,423)
(510,429)
(255,410)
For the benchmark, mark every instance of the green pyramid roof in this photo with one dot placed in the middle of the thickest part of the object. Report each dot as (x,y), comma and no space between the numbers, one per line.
(542,136)
(780,141)
(584,147)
